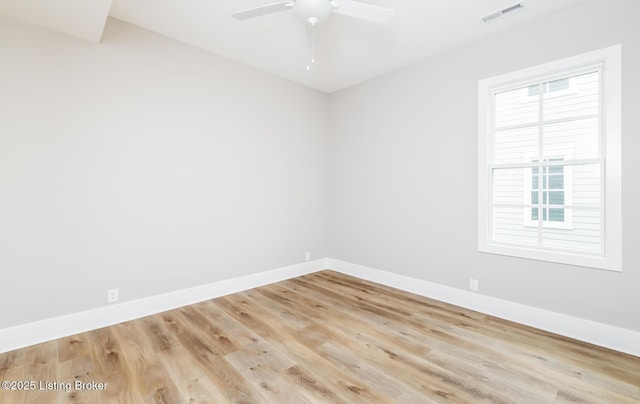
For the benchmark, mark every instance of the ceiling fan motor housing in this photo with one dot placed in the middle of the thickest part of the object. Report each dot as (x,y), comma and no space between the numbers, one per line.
(312,11)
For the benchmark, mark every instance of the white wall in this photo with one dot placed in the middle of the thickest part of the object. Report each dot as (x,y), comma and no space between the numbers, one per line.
(148,165)
(403,169)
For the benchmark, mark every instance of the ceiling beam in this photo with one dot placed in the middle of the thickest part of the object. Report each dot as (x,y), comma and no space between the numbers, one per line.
(84,19)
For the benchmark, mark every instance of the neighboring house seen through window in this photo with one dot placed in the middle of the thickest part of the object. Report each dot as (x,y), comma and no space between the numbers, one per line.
(548,194)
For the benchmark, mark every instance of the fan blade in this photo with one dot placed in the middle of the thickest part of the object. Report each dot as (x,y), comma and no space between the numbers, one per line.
(364,11)
(262,10)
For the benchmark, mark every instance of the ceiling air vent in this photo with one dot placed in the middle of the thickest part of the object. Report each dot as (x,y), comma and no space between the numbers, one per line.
(494,15)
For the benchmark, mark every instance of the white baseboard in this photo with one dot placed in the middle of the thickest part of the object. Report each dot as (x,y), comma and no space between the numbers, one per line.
(608,336)
(616,338)
(45,330)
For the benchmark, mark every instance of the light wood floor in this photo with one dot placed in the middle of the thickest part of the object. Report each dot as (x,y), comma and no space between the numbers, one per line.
(323,337)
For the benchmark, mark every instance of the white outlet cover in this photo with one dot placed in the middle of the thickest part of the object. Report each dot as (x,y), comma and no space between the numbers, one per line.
(112,295)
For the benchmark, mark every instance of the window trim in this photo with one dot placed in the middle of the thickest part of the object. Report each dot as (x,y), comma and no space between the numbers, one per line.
(611,215)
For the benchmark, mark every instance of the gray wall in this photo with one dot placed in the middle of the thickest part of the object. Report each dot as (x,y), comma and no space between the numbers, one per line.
(148,165)
(403,169)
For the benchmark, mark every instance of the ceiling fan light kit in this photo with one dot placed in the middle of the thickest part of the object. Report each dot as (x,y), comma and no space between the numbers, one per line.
(312,11)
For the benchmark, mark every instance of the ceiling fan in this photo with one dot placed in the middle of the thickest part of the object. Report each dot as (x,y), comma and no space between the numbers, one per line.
(313,12)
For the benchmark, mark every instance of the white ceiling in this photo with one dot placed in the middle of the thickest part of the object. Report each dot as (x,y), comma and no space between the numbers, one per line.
(347,51)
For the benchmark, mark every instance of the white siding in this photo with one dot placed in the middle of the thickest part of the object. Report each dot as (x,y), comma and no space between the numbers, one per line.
(581,99)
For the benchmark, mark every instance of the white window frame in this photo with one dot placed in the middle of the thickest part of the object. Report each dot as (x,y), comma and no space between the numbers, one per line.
(611,171)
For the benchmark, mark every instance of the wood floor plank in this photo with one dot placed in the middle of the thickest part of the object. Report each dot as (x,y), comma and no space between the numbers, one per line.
(41,365)
(211,356)
(270,384)
(321,338)
(372,375)
(82,368)
(281,336)
(148,374)
(111,368)
(11,394)
(190,377)
(72,347)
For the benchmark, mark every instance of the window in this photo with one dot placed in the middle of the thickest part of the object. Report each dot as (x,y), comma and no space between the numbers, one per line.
(549,161)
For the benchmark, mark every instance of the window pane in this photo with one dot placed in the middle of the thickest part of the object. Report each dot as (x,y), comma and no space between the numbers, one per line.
(556,215)
(556,169)
(557,85)
(556,181)
(572,140)
(585,184)
(508,227)
(509,185)
(580,99)
(516,145)
(516,108)
(556,197)
(583,236)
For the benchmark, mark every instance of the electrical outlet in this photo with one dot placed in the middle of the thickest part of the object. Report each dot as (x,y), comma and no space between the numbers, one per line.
(307,256)
(473,284)
(112,295)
